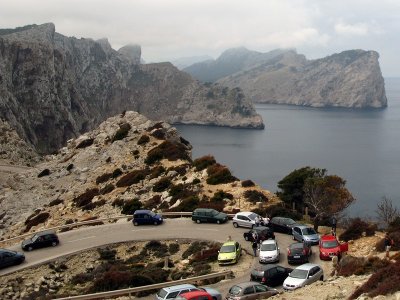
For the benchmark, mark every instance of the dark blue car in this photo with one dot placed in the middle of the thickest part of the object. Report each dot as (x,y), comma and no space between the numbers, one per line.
(144,217)
(10,258)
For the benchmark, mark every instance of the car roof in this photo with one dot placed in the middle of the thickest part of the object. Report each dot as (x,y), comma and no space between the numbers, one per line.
(246,284)
(228,243)
(204,209)
(45,232)
(301,226)
(245,213)
(261,228)
(179,287)
(268,242)
(307,266)
(296,245)
(328,238)
(195,293)
(141,211)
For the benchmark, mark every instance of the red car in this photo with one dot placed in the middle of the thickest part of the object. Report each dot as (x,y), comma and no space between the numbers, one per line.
(329,246)
(195,295)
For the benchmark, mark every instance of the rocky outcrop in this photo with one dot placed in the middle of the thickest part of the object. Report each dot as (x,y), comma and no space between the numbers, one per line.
(53,88)
(350,79)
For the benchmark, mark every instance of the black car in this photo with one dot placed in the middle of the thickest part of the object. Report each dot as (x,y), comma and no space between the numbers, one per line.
(261,232)
(271,275)
(10,258)
(280,224)
(209,215)
(299,253)
(40,240)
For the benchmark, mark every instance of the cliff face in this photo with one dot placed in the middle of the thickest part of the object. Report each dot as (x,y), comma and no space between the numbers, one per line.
(348,79)
(54,87)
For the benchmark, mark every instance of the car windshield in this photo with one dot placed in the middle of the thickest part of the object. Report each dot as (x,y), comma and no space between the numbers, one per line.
(227,249)
(162,293)
(235,290)
(152,214)
(214,212)
(253,216)
(297,273)
(34,237)
(330,244)
(308,231)
(268,247)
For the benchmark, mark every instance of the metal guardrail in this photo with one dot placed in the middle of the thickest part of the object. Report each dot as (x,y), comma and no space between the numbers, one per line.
(83,223)
(134,290)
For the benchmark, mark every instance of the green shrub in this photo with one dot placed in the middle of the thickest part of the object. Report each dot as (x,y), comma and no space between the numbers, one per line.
(117,172)
(157,125)
(215,205)
(56,202)
(188,204)
(196,181)
(167,150)
(131,206)
(158,249)
(181,169)
(255,196)
(247,183)
(180,191)
(122,132)
(181,274)
(218,174)
(107,189)
(355,230)
(144,139)
(103,178)
(156,172)
(118,202)
(173,248)
(132,178)
(280,211)
(203,162)
(153,202)
(159,134)
(107,253)
(93,205)
(162,184)
(194,248)
(219,196)
(82,278)
(86,197)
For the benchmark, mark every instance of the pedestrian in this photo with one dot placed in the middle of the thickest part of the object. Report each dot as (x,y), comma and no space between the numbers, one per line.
(333,223)
(266,220)
(388,244)
(255,236)
(333,232)
(257,221)
(254,245)
(229,238)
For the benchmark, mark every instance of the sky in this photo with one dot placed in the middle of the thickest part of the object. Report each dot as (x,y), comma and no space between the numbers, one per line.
(172,29)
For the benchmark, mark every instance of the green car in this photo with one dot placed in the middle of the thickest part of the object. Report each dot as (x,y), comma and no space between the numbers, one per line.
(208,215)
(229,253)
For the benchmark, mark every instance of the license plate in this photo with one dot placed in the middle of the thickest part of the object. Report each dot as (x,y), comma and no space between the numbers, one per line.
(296,256)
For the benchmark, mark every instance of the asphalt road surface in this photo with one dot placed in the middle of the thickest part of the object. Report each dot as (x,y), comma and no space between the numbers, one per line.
(78,240)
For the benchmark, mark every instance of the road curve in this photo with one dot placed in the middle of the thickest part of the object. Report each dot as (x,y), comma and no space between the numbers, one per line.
(78,240)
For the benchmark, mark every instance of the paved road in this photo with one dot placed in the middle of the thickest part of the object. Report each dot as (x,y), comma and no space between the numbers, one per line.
(85,238)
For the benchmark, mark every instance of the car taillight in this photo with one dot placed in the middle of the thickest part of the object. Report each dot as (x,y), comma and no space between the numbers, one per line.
(288,251)
(264,280)
(304,251)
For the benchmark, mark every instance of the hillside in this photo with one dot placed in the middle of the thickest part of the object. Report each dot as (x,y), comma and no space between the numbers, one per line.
(53,88)
(127,162)
(351,79)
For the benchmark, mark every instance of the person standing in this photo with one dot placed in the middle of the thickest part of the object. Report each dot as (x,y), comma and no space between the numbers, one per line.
(333,223)
(388,244)
(254,245)
(257,221)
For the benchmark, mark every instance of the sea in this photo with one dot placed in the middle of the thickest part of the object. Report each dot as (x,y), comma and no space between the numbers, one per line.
(361,146)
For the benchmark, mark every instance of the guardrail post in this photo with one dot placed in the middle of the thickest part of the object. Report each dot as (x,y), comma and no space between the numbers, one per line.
(166,262)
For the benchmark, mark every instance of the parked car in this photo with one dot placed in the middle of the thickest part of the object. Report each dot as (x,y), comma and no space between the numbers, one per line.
(41,240)
(305,233)
(262,233)
(280,224)
(10,258)
(215,294)
(303,275)
(249,291)
(209,215)
(194,295)
(229,253)
(269,252)
(145,217)
(172,292)
(299,253)
(271,275)
(329,246)
(245,219)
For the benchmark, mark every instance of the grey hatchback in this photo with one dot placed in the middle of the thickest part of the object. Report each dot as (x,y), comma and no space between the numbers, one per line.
(249,291)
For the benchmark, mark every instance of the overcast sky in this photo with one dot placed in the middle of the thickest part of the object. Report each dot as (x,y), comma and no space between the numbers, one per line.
(170,29)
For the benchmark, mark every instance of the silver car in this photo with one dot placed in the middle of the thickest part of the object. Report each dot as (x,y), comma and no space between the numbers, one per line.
(269,251)
(302,276)
(249,291)
(303,233)
(245,219)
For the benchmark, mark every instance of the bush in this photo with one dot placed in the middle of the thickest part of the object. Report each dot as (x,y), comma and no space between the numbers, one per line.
(158,249)
(153,202)
(156,172)
(215,205)
(45,172)
(167,150)
(162,185)
(209,255)
(116,173)
(219,196)
(203,162)
(103,178)
(70,167)
(36,220)
(157,125)
(194,248)
(382,282)
(159,134)
(181,169)
(247,183)
(93,205)
(255,196)
(132,178)
(107,189)
(86,197)
(131,206)
(188,204)
(173,248)
(122,132)
(144,139)
(180,191)
(118,202)
(218,174)
(56,202)
(355,230)
(85,143)
(107,253)
(196,181)
(82,278)
(282,211)
(395,236)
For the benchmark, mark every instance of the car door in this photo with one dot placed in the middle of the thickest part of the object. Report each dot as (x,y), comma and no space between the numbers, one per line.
(273,279)
(7,259)
(262,291)
(281,275)
(297,234)
(248,293)
(277,224)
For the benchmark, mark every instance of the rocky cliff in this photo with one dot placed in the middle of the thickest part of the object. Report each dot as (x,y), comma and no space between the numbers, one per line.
(348,79)
(54,87)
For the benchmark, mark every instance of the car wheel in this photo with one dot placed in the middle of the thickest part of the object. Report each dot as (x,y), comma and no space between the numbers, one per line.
(321,278)
(155,223)
(135,223)
(29,248)
(198,221)
(54,244)
(218,222)
(235,225)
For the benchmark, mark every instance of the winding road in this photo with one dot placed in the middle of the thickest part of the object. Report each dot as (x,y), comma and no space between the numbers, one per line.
(78,240)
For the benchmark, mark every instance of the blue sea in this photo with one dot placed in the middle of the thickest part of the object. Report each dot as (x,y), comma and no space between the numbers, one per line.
(361,146)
